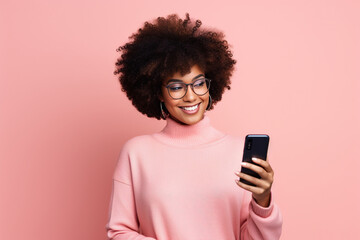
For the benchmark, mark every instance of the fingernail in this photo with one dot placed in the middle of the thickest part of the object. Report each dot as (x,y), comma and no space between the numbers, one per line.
(255,159)
(243,163)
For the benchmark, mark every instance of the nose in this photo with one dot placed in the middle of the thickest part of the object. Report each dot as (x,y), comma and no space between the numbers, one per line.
(190,96)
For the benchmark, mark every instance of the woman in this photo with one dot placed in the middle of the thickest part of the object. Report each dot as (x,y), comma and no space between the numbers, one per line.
(178,184)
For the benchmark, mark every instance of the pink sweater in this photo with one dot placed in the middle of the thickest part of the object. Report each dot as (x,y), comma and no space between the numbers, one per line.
(178,184)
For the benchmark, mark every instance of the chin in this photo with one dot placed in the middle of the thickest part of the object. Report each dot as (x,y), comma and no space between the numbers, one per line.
(190,120)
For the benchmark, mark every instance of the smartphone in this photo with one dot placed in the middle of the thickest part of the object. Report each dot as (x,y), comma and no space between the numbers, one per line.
(256,145)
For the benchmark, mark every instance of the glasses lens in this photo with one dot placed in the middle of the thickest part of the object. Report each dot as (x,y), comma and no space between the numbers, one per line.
(201,86)
(176,90)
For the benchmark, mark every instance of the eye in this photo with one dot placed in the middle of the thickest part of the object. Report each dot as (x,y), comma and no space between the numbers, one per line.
(176,87)
(199,83)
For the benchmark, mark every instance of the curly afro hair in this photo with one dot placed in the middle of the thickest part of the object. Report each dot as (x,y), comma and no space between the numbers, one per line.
(164,47)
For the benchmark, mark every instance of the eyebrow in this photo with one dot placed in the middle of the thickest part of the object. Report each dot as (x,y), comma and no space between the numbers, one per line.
(178,80)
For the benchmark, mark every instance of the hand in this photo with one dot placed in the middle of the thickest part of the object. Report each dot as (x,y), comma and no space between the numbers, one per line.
(260,192)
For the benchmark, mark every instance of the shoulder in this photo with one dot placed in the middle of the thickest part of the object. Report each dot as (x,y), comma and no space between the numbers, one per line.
(234,139)
(138,143)
(229,141)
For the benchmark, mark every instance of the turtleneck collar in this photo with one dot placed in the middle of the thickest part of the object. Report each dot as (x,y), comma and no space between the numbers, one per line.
(175,133)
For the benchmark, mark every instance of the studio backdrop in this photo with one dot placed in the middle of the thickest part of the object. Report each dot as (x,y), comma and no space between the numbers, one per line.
(64,118)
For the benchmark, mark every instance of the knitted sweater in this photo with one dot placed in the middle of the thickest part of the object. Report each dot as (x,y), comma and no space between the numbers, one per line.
(178,184)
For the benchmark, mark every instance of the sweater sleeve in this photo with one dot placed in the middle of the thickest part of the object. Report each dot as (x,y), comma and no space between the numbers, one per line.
(123,223)
(262,223)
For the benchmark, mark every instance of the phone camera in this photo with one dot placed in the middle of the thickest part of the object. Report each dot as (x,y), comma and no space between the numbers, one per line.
(249,144)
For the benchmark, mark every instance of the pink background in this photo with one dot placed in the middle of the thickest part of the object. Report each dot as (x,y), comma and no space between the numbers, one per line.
(64,119)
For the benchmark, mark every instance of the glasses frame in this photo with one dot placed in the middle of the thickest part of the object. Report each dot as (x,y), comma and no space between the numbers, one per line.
(186,88)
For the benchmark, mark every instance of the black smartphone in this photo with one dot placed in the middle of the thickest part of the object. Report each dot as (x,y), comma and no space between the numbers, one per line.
(256,145)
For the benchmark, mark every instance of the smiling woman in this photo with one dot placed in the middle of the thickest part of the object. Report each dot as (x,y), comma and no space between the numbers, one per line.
(178,183)
(184,105)
(169,48)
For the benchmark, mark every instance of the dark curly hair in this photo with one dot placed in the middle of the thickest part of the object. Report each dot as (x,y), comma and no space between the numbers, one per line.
(168,45)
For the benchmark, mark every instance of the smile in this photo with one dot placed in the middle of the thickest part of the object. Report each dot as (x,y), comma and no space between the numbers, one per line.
(192,108)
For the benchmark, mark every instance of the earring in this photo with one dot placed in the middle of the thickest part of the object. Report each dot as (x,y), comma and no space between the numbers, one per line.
(163,114)
(210,103)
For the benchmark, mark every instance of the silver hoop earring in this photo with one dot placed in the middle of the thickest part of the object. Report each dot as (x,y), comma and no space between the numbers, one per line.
(163,114)
(210,103)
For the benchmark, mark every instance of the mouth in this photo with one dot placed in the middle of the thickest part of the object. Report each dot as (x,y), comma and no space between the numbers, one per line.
(190,109)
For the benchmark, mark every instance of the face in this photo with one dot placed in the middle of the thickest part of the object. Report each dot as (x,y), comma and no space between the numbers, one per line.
(179,108)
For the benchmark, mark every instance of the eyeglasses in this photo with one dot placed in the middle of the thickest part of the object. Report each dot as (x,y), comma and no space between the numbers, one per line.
(179,89)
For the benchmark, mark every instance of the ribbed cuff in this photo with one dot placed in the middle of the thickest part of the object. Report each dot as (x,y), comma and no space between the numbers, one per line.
(260,210)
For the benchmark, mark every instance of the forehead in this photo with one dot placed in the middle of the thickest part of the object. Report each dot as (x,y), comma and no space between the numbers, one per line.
(195,72)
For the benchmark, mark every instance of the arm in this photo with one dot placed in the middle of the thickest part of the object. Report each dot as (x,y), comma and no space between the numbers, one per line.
(123,223)
(263,217)
(260,223)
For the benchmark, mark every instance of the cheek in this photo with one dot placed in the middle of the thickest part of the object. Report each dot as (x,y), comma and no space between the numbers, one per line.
(166,97)
(171,103)
(205,98)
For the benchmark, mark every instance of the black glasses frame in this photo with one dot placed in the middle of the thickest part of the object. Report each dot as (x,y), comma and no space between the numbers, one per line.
(186,87)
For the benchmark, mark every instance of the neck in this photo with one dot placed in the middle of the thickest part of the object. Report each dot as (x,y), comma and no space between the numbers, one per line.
(181,123)
(175,133)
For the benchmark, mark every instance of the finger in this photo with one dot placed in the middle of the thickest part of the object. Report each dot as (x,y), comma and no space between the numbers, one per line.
(247,187)
(259,170)
(258,182)
(265,164)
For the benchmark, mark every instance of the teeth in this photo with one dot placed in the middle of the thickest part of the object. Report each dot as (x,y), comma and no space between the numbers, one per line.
(191,108)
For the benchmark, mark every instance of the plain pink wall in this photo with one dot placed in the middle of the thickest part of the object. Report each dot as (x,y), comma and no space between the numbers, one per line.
(64,119)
